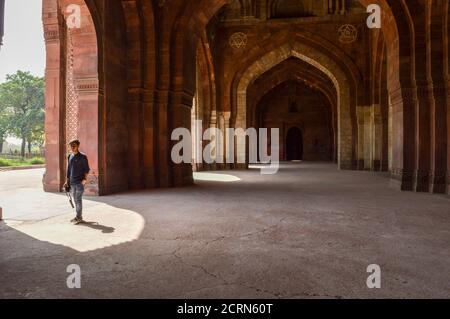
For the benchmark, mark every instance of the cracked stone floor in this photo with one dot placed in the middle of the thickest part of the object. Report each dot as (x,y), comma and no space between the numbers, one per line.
(308,232)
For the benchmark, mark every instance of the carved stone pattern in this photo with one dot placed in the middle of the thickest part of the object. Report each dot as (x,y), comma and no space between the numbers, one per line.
(51,34)
(87,87)
(348,33)
(93,179)
(238,40)
(71,95)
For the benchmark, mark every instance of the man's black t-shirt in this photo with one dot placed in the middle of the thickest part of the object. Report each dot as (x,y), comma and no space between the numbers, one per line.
(78,168)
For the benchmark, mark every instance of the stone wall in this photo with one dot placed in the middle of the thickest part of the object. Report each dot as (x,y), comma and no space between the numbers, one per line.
(136,75)
(293,104)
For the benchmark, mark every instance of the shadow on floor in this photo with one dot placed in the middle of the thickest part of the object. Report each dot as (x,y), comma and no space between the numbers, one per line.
(97,226)
(220,240)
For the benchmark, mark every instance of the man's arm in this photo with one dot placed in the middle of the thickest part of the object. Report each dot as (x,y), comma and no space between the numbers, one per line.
(86,169)
(68,171)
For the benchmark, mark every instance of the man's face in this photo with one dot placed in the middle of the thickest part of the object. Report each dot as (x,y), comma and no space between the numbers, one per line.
(74,147)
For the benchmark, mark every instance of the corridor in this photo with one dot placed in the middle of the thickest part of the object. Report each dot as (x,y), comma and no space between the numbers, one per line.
(309,231)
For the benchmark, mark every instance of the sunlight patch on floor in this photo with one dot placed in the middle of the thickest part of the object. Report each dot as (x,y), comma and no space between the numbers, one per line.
(214,177)
(105,226)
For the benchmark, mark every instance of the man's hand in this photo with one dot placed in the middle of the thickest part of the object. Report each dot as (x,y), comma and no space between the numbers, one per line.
(84,182)
(67,186)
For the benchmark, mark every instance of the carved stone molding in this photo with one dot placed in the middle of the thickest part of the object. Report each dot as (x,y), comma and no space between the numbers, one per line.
(238,40)
(51,33)
(86,86)
(348,33)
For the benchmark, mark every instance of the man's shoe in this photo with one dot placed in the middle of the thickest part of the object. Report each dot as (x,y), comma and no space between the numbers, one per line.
(78,221)
(74,220)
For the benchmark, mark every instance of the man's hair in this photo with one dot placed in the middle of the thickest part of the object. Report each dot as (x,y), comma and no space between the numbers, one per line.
(75,142)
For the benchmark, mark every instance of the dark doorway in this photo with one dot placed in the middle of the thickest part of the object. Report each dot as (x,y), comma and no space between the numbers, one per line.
(294,144)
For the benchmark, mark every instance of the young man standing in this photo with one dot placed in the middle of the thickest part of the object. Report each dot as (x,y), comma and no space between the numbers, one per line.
(77,173)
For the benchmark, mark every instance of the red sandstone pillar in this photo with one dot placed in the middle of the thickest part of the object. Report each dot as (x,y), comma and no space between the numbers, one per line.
(440,140)
(54,175)
(439,113)
(163,137)
(403,136)
(384,107)
(85,77)
(149,149)
(180,111)
(423,136)
(88,120)
(135,138)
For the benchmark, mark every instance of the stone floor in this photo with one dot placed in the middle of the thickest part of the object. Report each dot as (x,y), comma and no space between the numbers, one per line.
(308,232)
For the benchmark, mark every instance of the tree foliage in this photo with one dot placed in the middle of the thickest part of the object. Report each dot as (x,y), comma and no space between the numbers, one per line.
(22,108)
(5,115)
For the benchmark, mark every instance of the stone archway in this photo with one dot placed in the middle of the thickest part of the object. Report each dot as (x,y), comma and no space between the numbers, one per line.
(396,21)
(292,70)
(323,63)
(72,91)
(108,79)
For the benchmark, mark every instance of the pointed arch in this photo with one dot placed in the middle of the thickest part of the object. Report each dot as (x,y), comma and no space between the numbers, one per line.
(322,62)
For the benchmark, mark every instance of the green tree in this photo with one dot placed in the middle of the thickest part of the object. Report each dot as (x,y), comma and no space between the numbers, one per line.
(5,116)
(23,96)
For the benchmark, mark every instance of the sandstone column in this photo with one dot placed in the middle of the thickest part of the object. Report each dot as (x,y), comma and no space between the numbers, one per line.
(54,175)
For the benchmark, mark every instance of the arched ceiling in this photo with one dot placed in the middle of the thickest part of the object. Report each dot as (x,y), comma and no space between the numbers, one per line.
(293,86)
(297,70)
(292,69)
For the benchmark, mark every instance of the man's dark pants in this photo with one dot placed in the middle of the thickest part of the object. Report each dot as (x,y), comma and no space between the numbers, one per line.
(77,193)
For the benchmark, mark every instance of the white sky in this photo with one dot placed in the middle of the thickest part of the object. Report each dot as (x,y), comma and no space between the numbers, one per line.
(23,44)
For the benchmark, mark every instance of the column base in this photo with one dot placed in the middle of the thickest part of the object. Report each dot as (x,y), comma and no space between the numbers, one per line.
(438,183)
(182,175)
(361,165)
(376,165)
(422,181)
(51,186)
(448,184)
(242,166)
(403,179)
(348,165)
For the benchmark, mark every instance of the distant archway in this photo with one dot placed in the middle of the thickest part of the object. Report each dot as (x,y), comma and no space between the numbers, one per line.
(319,60)
(294,144)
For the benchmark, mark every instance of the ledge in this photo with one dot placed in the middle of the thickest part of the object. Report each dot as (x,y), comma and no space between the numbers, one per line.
(20,168)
